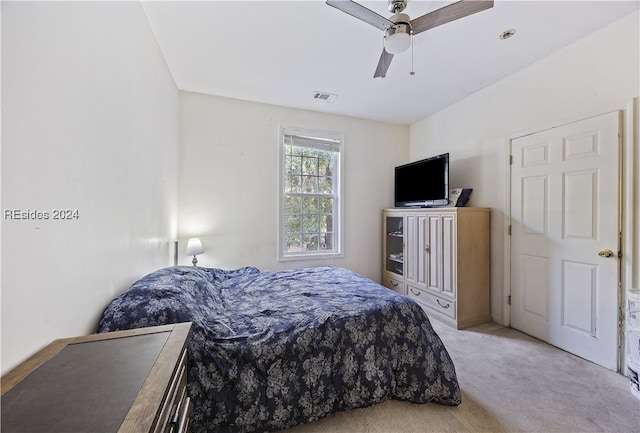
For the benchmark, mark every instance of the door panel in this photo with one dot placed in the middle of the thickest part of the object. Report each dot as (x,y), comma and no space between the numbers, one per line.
(532,298)
(421,277)
(565,210)
(434,251)
(580,206)
(415,257)
(579,297)
(410,239)
(534,205)
(449,243)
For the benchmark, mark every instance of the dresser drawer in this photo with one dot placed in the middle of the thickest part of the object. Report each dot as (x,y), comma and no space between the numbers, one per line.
(443,306)
(395,284)
(180,419)
(175,411)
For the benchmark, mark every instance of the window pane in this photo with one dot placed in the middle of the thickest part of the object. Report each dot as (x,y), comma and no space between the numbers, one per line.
(293,184)
(293,165)
(309,184)
(310,166)
(293,205)
(325,185)
(310,204)
(310,223)
(294,243)
(293,224)
(326,223)
(311,242)
(310,152)
(296,150)
(326,205)
(324,166)
(327,243)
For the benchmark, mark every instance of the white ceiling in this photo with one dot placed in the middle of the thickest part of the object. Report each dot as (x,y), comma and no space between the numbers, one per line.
(282,52)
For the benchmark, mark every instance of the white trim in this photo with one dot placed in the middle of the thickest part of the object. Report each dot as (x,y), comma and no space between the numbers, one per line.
(305,132)
(631,197)
(630,214)
(506,272)
(330,145)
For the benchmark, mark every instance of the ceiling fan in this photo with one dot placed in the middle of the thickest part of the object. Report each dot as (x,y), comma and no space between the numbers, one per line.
(399,28)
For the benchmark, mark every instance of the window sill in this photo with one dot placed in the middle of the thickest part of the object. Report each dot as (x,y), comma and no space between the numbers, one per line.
(308,257)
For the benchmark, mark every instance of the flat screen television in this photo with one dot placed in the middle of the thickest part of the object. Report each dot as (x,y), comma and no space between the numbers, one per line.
(423,183)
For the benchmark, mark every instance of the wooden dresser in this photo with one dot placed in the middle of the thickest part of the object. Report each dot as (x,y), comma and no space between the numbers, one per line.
(124,381)
(441,258)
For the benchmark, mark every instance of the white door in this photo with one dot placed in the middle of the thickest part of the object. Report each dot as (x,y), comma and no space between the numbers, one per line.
(565,218)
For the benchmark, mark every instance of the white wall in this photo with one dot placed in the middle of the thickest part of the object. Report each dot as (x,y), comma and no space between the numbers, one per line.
(228,186)
(595,75)
(89,122)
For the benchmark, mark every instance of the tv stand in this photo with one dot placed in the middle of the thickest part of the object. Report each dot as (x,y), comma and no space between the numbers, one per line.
(441,259)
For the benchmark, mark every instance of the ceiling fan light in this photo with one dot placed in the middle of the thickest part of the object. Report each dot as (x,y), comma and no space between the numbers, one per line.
(398,37)
(397,43)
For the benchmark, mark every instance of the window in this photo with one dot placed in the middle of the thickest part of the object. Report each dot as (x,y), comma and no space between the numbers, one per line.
(310,195)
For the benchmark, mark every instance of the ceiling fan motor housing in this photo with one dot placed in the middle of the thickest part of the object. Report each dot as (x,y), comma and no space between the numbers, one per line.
(396,6)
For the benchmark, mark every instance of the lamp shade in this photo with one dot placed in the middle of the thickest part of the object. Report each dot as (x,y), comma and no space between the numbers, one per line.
(194,247)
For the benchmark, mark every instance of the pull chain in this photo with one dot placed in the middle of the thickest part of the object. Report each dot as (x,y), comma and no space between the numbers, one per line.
(412,72)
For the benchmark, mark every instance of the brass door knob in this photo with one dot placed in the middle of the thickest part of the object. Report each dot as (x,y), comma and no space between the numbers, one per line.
(606,253)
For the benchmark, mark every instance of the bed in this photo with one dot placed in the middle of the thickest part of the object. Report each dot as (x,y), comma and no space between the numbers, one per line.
(270,350)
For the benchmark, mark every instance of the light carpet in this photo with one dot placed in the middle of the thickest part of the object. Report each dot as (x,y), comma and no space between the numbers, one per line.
(510,383)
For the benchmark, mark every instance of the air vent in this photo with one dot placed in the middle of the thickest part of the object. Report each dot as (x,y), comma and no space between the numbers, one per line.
(324,96)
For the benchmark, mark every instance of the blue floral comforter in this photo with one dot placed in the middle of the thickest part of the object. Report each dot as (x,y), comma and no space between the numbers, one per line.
(270,350)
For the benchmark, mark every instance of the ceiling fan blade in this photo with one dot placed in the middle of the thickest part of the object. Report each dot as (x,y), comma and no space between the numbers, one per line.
(383,64)
(449,13)
(362,13)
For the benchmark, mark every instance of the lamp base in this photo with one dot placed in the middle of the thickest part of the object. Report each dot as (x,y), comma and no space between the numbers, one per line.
(194,261)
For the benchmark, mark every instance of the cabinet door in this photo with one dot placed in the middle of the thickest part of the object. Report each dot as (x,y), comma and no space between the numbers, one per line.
(416,250)
(449,255)
(440,260)
(394,244)
(433,247)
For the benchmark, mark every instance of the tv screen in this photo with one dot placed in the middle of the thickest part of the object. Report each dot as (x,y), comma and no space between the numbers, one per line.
(423,183)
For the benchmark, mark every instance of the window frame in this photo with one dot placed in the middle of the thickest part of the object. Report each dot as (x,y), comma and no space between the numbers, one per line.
(337,194)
